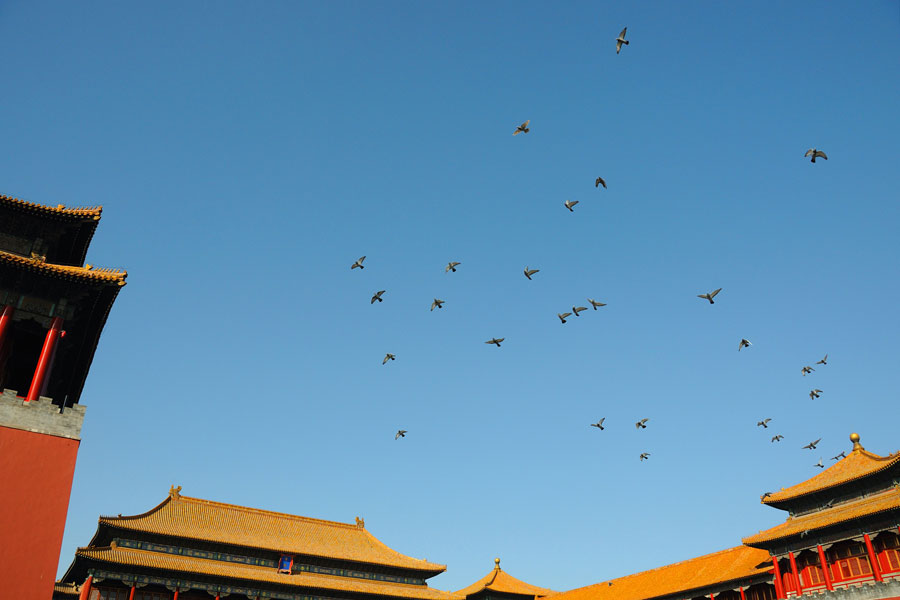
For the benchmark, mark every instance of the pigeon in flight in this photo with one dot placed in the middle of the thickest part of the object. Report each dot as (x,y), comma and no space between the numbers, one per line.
(377,296)
(766,495)
(777,438)
(839,456)
(437,303)
(812,445)
(710,295)
(813,394)
(570,204)
(562,316)
(523,128)
(763,423)
(578,309)
(530,272)
(644,456)
(358,264)
(621,40)
(400,433)
(641,424)
(819,464)
(815,154)
(744,344)
(451,266)
(823,361)
(388,357)
(600,181)
(806,370)
(495,341)
(595,304)
(599,424)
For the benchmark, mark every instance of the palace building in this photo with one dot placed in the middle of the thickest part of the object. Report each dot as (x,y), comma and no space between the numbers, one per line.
(52,310)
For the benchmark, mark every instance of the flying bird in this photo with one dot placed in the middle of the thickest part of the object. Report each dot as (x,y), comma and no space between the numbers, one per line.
(806,370)
(641,424)
(599,424)
(523,128)
(562,316)
(766,495)
(839,456)
(710,295)
(819,464)
(595,304)
(812,445)
(578,309)
(570,204)
(437,303)
(388,357)
(621,40)
(744,344)
(813,394)
(763,423)
(358,264)
(644,456)
(815,154)
(400,433)
(495,341)
(451,266)
(777,438)
(600,181)
(530,272)
(823,361)
(376,296)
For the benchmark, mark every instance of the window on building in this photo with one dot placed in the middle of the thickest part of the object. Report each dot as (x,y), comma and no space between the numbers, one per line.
(887,545)
(139,595)
(810,569)
(849,560)
(760,591)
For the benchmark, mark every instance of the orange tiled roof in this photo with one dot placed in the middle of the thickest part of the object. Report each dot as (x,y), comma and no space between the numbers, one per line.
(193,518)
(81,213)
(499,581)
(706,571)
(858,464)
(889,500)
(201,566)
(86,273)
(68,589)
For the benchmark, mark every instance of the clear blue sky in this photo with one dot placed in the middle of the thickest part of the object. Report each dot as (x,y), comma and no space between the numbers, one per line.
(247,153)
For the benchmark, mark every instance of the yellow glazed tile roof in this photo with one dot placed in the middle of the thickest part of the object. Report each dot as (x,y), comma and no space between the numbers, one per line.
(190,565)
(884,501)
(858,464)
(705,571)
(80,213)
(193,518)
(499,581)
(86,273)
(68,589)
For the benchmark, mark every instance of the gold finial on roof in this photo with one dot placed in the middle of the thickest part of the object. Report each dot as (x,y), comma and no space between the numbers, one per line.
(360,523)
(60,206)
(175,492)
(497,563)
(854,437)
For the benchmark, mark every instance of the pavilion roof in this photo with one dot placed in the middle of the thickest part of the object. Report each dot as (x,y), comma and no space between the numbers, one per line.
(731,565)
(858,464)
(87,213)
(217,522)
(188,565)
(501,582)
(86,274)
(877,503)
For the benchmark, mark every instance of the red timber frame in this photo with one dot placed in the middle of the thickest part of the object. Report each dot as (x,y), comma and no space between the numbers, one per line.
(795,576)
(41,372)
(825,569)
(779,584)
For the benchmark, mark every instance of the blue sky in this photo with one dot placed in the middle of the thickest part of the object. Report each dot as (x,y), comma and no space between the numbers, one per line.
(247,154)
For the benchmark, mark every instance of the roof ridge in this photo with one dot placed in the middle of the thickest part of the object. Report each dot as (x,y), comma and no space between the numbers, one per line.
(59,209)
(681,562)
(250,509)
(139,516)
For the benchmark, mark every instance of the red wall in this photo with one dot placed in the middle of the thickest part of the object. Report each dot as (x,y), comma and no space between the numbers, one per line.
(35,482)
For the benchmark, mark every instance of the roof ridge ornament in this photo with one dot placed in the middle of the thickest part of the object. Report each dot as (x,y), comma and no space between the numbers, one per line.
(175,492)
(497,564)
(854,437)
(360,523)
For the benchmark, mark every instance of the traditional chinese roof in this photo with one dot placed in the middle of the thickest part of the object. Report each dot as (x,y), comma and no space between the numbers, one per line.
(871,505)
(499,581)
(91,213)
(194,518)
(173,563)
(66,589)
(727,566)
(860,463)
(86,274)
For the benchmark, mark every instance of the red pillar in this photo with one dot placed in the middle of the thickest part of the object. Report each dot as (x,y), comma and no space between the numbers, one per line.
(779,585)
(86,588)
(175,597)
(876,570)
(5,320)
(798,587)
(131,593)
(743,597)
(825,572)
(43,366)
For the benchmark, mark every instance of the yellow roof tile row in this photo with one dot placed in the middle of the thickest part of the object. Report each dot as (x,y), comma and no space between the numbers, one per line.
(499,581)
(91,212)
(705,571)
(888,500)
(128,557)
(68,589)
(193,518)
(87,273)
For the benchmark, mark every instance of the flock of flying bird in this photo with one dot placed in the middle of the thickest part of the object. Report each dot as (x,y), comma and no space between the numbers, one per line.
(576,310)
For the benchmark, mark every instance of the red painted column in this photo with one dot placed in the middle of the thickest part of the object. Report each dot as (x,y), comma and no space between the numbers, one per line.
(175,597)
(5,320)
(798,586)
(743,597)
(876,570)
(86,588)
(43,367)
(779,585)
(825,571)
(131,593)
(711,597)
